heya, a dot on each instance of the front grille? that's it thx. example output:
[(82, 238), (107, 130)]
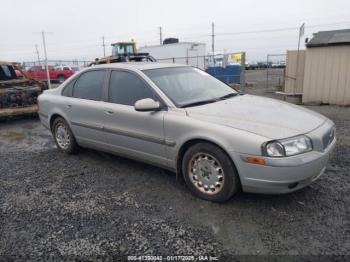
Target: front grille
[(328, 137)]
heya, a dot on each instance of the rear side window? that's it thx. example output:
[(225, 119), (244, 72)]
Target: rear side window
[(89, 85), (68, 89), (126, 88)]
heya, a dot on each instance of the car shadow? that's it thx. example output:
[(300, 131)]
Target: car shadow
[(169, 185)]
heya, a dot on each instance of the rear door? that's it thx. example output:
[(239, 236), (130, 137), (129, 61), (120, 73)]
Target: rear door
[(85, 107), (137, 134)]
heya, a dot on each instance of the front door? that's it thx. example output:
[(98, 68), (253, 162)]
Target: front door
[(137, 134)]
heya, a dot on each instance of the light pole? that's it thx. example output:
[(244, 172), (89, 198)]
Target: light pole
[(46, 65)]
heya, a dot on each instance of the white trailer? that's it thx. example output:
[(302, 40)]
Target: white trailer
[(181, 53)]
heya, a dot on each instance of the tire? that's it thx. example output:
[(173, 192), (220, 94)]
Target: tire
[(61, 78), (205, 164), (63, 136)]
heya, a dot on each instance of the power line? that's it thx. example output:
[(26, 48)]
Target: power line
[(266, 30), (336, 23), (260, 31), (85, 44)]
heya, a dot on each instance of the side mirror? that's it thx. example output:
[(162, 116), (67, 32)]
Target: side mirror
[(146, 105)]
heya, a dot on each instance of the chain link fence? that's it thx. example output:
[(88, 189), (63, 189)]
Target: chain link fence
[(75, 64), (275, 72), (228, 67), (58, 70)]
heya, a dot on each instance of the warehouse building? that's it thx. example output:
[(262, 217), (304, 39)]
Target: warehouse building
[(191, 53)]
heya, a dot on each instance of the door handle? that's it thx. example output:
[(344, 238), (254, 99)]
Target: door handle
[(109, 112), (69, 106)]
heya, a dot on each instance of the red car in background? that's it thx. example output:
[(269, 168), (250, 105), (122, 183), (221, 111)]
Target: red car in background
[(57, 73), (19, 74)]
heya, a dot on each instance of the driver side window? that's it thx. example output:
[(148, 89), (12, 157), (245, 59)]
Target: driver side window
[(126, 88)]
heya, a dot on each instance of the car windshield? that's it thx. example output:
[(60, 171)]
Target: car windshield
[(188, 86)]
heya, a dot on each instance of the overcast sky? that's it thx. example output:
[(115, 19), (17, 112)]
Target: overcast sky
[(76, 26)]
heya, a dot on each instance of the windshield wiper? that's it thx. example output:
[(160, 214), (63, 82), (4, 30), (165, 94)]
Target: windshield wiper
[(203, 102), (227, 96), (198, 103)]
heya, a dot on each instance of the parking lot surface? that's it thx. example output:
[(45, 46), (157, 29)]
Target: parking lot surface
[(94, 204)]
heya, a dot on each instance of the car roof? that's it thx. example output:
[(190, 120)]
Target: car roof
[(5, 63), (139, 65)]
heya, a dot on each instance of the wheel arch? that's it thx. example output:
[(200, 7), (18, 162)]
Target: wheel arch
[(187, 144), (55, 116)]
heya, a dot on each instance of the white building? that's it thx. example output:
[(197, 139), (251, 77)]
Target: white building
[(190, 53)]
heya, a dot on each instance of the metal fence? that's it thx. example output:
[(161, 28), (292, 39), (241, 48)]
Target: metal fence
[(228, 67), (37, 69), (78, 64), (275, 72)]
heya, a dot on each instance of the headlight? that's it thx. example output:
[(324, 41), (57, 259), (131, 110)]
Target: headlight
[(287, 147)]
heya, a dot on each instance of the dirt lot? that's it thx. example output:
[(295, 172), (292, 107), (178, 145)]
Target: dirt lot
[(98, 205)]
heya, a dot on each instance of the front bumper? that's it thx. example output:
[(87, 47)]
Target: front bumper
[(282, 175)]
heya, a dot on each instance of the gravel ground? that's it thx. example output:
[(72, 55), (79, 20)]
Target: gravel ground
[(96, 205)]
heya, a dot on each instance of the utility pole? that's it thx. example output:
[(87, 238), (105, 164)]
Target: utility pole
[(37, 53), (104, 46), (212, 37), (46, 65), (301, 33), (160, 36), (45, 54)]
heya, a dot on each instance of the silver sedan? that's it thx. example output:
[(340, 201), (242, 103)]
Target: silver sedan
[(182, 119)]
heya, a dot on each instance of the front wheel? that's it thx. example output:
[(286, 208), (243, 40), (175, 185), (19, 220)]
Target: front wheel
[(63, 136), (209, 172)]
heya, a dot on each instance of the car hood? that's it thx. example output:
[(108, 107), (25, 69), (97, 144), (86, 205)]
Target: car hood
[(263, 116)]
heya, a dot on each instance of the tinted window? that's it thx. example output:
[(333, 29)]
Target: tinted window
[(126, 88), (68, 89), (89, 85)]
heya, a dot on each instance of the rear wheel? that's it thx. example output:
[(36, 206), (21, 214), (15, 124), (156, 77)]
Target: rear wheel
[(209, 172), (63, 136)]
